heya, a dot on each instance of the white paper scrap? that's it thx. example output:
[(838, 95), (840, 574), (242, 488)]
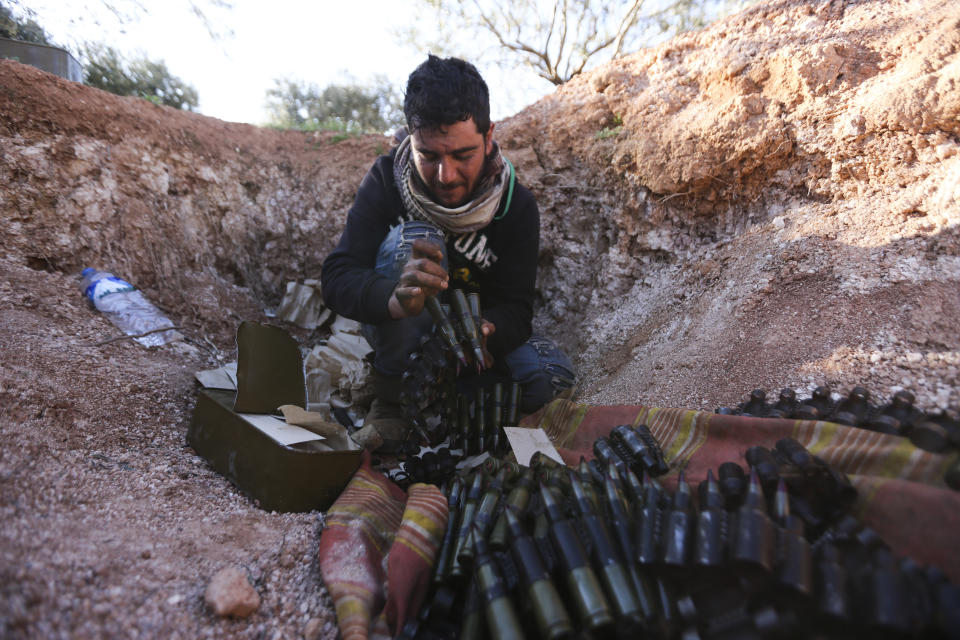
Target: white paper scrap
[(223, 378), (279, 430), (526, 442)]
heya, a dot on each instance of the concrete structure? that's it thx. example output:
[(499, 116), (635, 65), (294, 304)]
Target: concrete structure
[(51, 59)]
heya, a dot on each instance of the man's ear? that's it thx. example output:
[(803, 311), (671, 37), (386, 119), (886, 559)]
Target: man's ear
[(488, 141)]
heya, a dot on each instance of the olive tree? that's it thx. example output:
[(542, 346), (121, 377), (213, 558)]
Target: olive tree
[(348, 107), (106, 68)]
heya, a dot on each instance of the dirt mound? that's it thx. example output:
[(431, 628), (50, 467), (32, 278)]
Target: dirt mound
[(112, 526), (772, 201), (181, 204)]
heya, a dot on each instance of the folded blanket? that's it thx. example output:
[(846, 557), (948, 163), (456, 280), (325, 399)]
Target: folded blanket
[(376, 552)]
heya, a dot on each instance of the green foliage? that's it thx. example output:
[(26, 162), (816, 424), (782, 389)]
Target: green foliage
[(609, 132), (349, 108), (613, 130), (23, 28), (107, 69)]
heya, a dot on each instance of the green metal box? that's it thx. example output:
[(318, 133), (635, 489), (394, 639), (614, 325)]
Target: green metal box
[(279, 477)]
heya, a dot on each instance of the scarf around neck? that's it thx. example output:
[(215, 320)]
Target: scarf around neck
[(475, 214)]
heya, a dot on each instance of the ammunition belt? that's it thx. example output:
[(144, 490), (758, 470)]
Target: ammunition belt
[(771, 551), (440, 411), (935, 432)]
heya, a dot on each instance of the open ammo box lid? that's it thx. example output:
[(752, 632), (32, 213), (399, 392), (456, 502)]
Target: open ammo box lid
[(267, 459)]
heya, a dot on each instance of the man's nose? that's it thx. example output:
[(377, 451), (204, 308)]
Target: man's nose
[(447, 172)]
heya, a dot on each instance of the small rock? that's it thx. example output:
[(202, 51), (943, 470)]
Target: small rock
[(946, 150), (737, 65), (230, 594), (313, 630), (855, 126), (549, 179)]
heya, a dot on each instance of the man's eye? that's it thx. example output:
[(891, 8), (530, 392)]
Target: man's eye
[(463, 157)]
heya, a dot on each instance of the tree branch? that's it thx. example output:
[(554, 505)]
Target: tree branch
[(553, 24), (563, 40), (134, 337), (629, 20), (563, 44), (518, 46), (626, 23)]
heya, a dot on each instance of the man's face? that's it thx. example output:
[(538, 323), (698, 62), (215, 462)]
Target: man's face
[(450, 159)]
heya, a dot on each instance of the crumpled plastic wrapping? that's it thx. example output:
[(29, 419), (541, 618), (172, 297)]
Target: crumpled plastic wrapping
[(336, 372), (302, 305)]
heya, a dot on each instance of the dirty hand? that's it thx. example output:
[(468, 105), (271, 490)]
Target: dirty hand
[(422, 276), (487, 329)]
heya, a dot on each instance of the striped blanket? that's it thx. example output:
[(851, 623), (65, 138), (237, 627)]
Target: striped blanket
[(376, 552)]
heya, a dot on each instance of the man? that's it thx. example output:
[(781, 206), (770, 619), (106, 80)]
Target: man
[(443, 210)]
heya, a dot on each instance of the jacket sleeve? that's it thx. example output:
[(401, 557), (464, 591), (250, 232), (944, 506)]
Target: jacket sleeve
[(349, 284), (509, 289)]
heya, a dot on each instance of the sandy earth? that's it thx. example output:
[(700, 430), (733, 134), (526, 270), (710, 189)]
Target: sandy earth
[(773, 201)]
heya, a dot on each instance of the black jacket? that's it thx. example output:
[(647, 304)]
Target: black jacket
[(498, 261)]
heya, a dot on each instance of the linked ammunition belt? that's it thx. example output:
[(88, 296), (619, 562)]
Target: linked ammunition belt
[(599, 551), (438, 409), (935, 432)]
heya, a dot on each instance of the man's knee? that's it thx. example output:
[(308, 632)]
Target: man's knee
[(543, 371), (397, 247)]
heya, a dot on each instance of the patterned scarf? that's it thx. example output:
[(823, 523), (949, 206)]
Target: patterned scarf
[(475, 214)]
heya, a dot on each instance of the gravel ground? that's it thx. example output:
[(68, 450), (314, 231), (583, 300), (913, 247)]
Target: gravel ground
[(112, 525)]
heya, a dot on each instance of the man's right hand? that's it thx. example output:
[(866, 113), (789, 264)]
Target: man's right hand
[(422, 276)]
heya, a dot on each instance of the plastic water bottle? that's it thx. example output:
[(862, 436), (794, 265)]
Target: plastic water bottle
[(127, 308)]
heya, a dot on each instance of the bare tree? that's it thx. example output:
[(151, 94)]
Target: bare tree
[(559, 38)]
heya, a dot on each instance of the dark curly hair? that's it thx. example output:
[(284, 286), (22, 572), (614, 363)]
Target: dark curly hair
[(441, 92)]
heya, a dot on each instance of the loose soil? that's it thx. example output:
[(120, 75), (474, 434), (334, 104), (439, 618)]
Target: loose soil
[(773, 201)]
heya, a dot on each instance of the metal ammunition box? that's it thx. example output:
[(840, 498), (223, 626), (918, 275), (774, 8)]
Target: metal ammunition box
[(294, 477), (278, 477)]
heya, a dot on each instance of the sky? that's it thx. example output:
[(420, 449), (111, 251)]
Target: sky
[(319, 42)]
